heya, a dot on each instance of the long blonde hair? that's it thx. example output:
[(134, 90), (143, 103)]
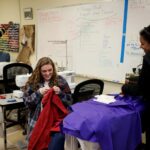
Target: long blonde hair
[(36, 76)]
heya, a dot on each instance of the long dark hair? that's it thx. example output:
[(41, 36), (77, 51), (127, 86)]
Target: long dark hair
[(36, 76), (145, 33)]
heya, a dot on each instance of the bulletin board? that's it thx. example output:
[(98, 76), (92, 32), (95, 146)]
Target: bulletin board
[(10, 40), (102, 38)]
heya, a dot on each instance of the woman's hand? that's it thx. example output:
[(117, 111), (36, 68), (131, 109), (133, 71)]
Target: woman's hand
[(44, 90), (56, 89)]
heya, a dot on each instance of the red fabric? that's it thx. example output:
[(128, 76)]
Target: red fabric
[(49, 120)]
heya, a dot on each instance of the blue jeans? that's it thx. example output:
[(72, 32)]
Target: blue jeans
[(57, 141)]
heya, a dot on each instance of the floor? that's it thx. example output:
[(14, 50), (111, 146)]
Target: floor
[(15, 139)]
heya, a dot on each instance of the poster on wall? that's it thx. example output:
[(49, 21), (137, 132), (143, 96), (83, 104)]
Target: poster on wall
[(10, 40), (27, 39)]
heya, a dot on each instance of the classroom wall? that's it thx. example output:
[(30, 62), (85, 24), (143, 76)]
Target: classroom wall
[(9, 11), (13, 10)]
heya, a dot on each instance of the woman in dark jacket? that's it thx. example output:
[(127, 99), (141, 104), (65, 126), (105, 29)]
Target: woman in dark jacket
[(143, 86)]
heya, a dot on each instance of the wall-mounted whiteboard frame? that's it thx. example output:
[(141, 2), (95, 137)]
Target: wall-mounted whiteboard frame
[(94, 34)]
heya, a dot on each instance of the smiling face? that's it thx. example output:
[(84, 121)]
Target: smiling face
[(145, 45), (47, 72)]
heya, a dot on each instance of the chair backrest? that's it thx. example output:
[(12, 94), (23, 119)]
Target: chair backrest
[(88, 89), (4, 57), (9, 74)]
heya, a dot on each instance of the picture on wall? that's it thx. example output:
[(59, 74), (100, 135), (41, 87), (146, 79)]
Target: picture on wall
[(28, 14), (10, 40), (27, 39)]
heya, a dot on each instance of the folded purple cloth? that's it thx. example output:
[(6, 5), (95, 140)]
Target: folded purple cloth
[(114, 126)]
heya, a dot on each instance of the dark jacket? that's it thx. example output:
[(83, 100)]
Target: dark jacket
[(143, 86)]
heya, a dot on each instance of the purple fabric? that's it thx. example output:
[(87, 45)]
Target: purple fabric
[(114, 126)]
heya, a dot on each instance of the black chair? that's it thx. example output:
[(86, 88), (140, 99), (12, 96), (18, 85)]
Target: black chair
[(9, 74), (87, 89), (4, 57)]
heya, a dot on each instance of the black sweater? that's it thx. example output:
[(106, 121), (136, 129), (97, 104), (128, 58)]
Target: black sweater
[(143, 86)]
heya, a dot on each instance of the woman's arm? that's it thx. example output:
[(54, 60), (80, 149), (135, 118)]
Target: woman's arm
[(65, 93), (130, 89), (32, 98)]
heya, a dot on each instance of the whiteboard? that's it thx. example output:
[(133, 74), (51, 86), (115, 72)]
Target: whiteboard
[(96, 43)]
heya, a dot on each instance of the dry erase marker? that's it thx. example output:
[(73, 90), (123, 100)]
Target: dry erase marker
[(11, 100)]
